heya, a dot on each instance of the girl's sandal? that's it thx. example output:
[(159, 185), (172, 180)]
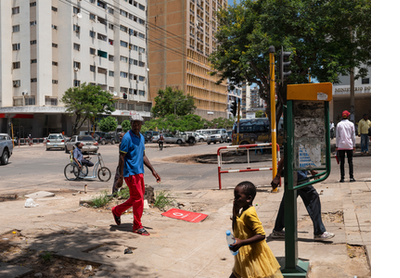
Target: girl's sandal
[(141, 231)]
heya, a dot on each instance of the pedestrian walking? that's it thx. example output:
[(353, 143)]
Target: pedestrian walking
[(364, 126), (132, 156), (255, 258), (115, 187), (332, 129), (345, 144), (311, 201)]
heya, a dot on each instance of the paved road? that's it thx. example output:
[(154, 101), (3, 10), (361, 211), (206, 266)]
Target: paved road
[(33, 168)]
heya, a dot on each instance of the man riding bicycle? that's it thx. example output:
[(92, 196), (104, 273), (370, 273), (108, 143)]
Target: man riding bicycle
[(161, 141), (78, 156)]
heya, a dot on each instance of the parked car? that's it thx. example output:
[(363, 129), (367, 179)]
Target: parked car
[(218, 135), (202, 137), (148, 135), (108, 138), (55, 141), (188, 137), (89, 144), (6, 148)]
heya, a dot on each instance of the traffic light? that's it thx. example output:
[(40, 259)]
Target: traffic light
[(284, 64), (233, 107), (125, 96)]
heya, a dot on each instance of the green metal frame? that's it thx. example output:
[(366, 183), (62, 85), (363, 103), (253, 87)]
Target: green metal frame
[(293, 266)]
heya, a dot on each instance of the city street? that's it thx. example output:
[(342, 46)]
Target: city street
[(59, 225), (34, 168)]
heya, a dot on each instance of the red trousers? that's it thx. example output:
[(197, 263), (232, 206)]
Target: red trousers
[(136, 200)]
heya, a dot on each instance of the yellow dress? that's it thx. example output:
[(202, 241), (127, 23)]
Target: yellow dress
[(254, 260)]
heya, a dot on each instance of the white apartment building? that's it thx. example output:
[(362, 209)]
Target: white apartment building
[(48, 46)]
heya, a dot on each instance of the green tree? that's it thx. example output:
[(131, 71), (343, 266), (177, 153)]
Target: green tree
[(260, 114), (108, 124), (222, 123), (328, 37), (173, 123), (171, 101), (126, 125), (86, 102)]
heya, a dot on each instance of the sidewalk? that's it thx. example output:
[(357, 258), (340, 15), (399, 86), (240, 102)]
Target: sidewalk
[(181, 249)]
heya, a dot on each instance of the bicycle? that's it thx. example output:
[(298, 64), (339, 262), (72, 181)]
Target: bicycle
[(73, 172)]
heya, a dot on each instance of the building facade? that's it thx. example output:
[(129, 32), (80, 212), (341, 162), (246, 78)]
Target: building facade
[(48, 46), (181, 38), (341, 98)]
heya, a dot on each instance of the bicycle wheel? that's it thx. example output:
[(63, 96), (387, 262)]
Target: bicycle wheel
[(84, 171), (104, 174), (71, 172)]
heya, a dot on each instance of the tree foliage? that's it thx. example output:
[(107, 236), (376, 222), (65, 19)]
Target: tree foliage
[(173, 123), (170, 101), (86, 102), (324, 36), (108, 124), (126, 125)]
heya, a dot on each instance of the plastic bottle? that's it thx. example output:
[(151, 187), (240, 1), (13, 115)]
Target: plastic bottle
[(230, 239)]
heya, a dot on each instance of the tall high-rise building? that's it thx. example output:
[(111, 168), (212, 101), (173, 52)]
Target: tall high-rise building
[(48, 46), (180, 40)]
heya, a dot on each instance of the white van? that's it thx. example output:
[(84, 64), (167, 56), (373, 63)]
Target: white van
[(216, 135)]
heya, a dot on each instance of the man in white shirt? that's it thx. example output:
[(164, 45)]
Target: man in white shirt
[(345, 144)]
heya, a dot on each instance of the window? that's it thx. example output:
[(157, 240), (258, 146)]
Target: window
[(54, 63), (123, 13), (77, 65), (33, 42), (111, 58), (102, 20), (15, 10), (124, 74), (16, 83), (102, 53), (92, 51), (33, 80), (141, 35), (16, 65), (110, 41), (101, 4), (33, 61), (32, 4), (124, 44), (15, 28), (77, 83), (124, 59), (110, 10), (92, 68), (54, 81), (54, 9), (33, 23), (110, 73), (141, 93), (76, 28), (141, 78), (110, 26), (101, 37), (365, 81), (142, 50), (141, 7), (54, 45), (123, 29), (92, 17), (77, 46), (16, 46), (92, 34), (54, 26)]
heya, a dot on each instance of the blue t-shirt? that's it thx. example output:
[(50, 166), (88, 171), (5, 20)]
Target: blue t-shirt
[(133, 146), (78, 154)]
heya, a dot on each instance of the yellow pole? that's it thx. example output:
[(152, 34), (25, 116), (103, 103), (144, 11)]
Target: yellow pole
[(238, 121), (12, 133), (273, 121)]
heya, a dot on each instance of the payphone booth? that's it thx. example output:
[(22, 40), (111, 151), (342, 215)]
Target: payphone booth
[(307, 147)]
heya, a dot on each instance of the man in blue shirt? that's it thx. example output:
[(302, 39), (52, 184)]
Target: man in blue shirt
[(78, 156), (132, 156)]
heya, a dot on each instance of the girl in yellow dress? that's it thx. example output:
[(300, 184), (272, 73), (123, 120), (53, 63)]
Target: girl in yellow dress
[(255, 258)]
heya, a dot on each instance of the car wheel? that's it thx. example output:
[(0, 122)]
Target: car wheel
[(179, 141), (103, 142), (201, 140), (112, 142), (192, 141), (208, 143), (4, 157)]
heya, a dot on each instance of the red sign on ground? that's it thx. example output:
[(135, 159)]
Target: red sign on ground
[(189, 216)]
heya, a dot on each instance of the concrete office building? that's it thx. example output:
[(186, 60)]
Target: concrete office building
[(181, 38), (48, 46)]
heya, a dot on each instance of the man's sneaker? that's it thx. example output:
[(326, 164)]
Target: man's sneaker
[(277, 234), (352, 180), (324, 236)]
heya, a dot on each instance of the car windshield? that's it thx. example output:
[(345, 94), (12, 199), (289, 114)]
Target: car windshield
[(85, 138)]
